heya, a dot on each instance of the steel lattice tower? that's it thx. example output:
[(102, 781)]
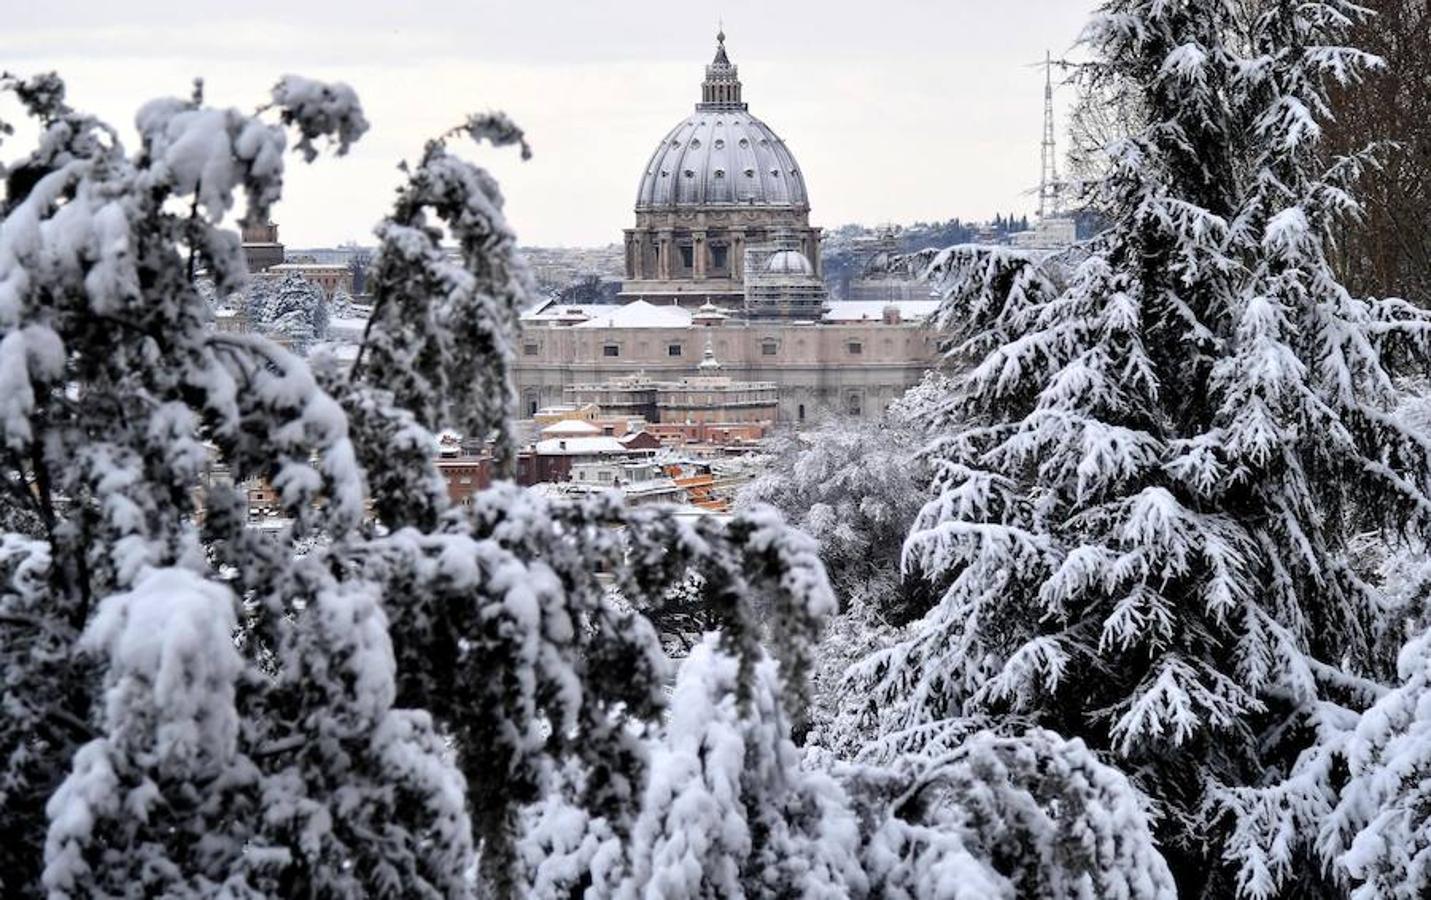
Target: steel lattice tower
[(1050, 188)]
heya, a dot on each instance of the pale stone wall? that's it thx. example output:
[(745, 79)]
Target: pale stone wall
[(655, 263), (816, 368)]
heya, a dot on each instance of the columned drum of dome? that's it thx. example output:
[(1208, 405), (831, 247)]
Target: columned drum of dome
[(719, 182)]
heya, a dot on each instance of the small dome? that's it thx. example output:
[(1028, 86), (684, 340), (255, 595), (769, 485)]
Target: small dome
[(709, 312), (789, 262)]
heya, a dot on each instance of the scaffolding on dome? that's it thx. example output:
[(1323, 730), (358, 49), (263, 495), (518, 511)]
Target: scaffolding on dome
[(781, 282)]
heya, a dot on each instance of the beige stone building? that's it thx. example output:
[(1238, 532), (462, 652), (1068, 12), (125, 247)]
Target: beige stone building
[(723, 250), (708, 397), (856, 361), (329, 277), (261, 248)]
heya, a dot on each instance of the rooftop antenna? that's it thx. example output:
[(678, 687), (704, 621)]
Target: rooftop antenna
[(1050, 188)]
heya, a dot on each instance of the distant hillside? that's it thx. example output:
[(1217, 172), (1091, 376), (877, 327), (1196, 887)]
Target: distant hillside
[(845, 249)]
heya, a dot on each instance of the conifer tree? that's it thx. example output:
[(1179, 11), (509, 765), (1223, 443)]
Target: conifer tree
[(1159, 449), (297, 312), (145, 750)]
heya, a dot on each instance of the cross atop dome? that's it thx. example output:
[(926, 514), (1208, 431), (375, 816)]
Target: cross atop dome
[(721, 89)]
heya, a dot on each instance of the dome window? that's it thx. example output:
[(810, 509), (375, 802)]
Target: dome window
[(719, 144), (720, 173), (665, 174), (695, 144), (749, 173), (675, 143), (775, 172), (744, 142)]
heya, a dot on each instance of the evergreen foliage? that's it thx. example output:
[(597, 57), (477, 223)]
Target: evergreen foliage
[(1158, 453)]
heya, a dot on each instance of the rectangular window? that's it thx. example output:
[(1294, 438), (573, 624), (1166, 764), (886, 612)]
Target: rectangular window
[(718, 257), (856, 348), (610, 350), (673, 350), (688, 256), (769, 348), (530, 349)]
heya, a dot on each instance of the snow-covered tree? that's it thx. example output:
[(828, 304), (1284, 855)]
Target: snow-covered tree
[(167, 758), (854, 489), (342, 305), (1153, 465), (297, 312), (255, 301)]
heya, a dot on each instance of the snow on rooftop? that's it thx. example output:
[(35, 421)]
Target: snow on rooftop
[(643, 314), (552, 311), (570, 428), (873, 310), (581, 446), (346, 327), (639, 314)]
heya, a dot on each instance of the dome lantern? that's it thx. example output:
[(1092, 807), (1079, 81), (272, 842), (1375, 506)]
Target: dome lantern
[(721, 89)]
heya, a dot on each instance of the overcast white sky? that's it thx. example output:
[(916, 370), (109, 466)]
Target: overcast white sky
[(897, 110)]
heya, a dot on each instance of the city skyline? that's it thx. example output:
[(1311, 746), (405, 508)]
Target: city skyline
[(918, 114)]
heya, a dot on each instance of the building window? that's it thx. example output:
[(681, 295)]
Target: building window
[(530, 349), (688, 256), (719, 257), (610, 350), (800, 412), (769, 347), (673, 350), (854, 405), (856, 348)]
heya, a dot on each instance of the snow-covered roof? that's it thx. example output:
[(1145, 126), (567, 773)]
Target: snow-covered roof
[(643, 314), (873, 310), (581, 446), (570, 428), (552, 311), (639, 314), (346, 327)]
